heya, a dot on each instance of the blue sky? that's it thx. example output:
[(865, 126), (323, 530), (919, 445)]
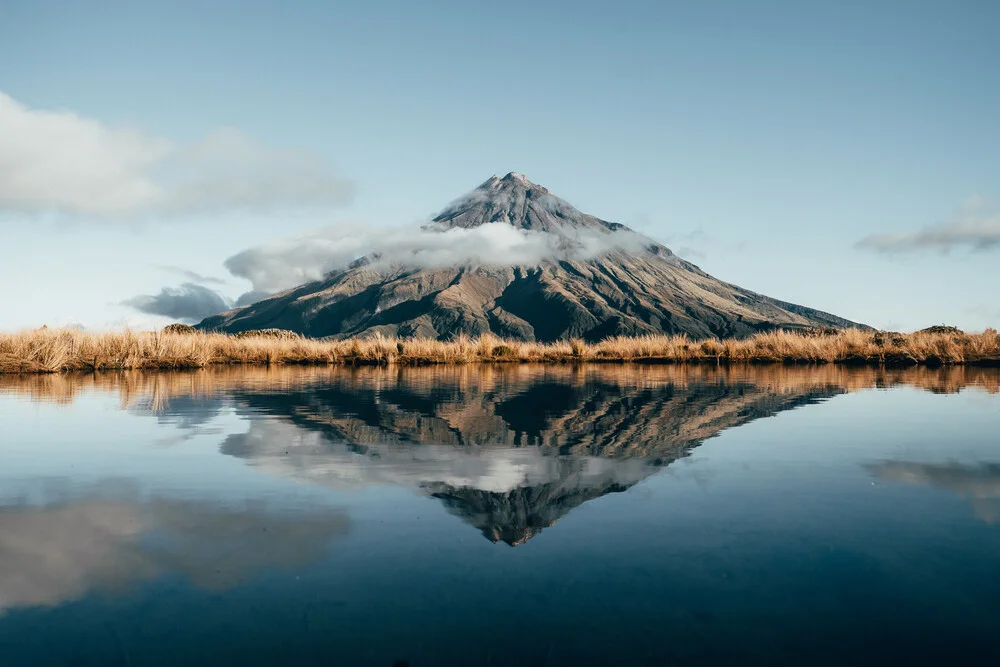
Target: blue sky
[(842, 155)]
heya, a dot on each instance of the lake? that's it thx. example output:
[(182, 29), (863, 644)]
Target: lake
[(501, 515)]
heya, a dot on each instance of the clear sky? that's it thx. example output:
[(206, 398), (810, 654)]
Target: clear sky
[(842, 155)]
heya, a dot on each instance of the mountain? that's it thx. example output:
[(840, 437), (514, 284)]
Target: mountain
[(598, 279)]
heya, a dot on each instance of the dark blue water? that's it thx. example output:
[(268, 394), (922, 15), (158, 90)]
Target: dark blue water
[(501, 516)]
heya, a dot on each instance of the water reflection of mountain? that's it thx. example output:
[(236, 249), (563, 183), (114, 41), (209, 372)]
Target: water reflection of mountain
[(509, 448), (517, 515), (510, 453)]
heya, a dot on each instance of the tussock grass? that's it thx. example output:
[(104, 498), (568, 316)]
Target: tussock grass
[(53, 351)]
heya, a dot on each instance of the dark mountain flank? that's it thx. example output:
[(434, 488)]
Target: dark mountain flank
[(599, 279)]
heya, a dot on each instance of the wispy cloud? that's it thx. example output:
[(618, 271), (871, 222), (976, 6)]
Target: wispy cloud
[(191, 276), (976, 226), (62, 162), (699, 244), (284, 264), (188, 303), (689, 245)]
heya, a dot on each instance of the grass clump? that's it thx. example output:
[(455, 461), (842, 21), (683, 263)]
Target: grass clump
[(52, 350)]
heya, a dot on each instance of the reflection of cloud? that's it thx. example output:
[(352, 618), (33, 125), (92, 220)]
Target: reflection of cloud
[(49, 555), (980, 483), (290, 451), (509, 494), (189, 414), (185, 412)]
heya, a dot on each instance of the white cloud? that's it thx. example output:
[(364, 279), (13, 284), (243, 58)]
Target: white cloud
[(976, 226), (59, 161), (291, 262)]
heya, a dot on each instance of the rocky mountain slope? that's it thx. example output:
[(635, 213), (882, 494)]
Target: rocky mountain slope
[(598, 279)]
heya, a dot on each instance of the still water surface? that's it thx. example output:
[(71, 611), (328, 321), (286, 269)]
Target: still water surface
[(528, 515)]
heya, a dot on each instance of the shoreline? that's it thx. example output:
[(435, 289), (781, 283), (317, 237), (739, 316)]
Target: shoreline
[(54, 351)]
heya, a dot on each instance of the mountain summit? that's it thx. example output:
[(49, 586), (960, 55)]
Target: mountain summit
[(516, 201), (599, 279)]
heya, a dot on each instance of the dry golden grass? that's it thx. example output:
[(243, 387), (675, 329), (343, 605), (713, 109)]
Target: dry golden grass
[(52, 351)]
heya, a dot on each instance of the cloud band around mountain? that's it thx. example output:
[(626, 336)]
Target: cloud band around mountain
[(290, 262)]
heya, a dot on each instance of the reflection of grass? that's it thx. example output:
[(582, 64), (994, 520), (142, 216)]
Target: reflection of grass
[(158, 389), (48, 350)]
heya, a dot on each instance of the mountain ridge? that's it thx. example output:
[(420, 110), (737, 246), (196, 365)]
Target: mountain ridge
[(599, 279)]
